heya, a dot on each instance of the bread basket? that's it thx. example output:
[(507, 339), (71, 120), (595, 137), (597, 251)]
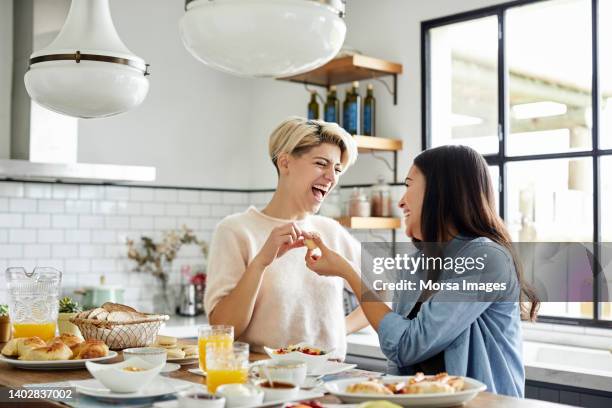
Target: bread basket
[(140, 332)]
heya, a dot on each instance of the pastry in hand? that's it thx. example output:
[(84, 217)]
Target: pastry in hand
[(91, 348), (368, 387), (21, 345), (57, 350), (310, 244)]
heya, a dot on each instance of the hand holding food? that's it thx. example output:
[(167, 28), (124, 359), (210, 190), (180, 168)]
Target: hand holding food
[(329, 262), (282, 239)]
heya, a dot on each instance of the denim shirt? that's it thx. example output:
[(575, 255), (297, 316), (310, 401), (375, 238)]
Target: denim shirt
[(479, 339)]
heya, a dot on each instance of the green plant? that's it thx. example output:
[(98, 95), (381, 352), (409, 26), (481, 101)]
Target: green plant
[(3, 310), (67, 305)]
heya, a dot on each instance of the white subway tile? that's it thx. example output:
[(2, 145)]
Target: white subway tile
[(28, 264), (141, 194), (3, 238), (11, 220), (209, 223), (37, 251), (129, 208), (91, 192), (595, 331), (22, 205), (189, 196), (91, 221), (50, 206), (22, 236), (115, 251), (153, 209), (105, 266), (37, 190), (77, 265), (70, 281), (165, 194), (104, 207), (11, 251), (79, 236), (117, 222), (199, 210), (11, 189), (104, 237), (221, 210), (52, 263), (50, 236), (235, 198), (177, 209), (65, 250), (190, 222), (63, 191), (210, 197), (78, 207), (163, 223), (4, 204), (141, 222), (117, 193), (91, 251), (64, 221), (37, 220)]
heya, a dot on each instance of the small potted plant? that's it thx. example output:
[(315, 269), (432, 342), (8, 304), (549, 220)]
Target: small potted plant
[(68, 309), (5, 324)]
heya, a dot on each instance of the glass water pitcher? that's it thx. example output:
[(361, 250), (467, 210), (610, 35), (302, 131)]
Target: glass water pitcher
[(33, 301)]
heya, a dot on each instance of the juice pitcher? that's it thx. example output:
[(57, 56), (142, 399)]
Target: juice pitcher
[(33, 301)]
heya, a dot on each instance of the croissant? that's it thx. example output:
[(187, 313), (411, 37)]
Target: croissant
[(68, 339), (368, 387), (22, 345), (91, 348), (55, 351)]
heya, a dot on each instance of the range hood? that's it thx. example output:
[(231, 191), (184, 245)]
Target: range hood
[(42, 145)]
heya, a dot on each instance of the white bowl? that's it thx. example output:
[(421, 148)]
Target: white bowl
[(116, 379), (190, 399), (279, 394), (234, 397), (314, 363), (154, 355), (291, 371)]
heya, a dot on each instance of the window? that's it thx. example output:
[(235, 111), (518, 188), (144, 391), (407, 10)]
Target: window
[(517, 82)]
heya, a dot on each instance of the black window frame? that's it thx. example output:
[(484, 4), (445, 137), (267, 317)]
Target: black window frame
[(500, 159)]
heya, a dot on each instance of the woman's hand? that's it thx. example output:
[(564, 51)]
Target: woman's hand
[(329, 262), (282, 239)]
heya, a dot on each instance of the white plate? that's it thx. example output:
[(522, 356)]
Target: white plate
[(184, 360), (302, 395), (55, 364), (156, 388), (170, 367), (197, 371), (332, 367), (471, 389)]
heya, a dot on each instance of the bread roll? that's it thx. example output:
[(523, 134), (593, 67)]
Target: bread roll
[(68, 339), (57, 350), (97, 311), (91, 348), (117, 307), (428, 387), (368, 387), (119, 316)]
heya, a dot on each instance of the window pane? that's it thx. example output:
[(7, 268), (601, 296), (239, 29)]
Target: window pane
[(605, 73), (463, 84), (550, 200), (549, 62), (494, 172), (605, 308)]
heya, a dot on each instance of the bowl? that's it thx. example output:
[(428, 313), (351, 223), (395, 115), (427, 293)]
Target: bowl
[(154, 355), (291, 371), (314, 364), (240, 395), (118, 378), (190, 399), (278, 391)]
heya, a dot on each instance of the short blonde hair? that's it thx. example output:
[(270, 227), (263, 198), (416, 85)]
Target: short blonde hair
[(297, 135)]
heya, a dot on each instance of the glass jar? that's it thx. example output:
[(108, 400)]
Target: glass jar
[(380, 199), (359, 206)]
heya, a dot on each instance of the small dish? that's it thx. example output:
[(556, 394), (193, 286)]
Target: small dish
[(240, 395), (190, 399), (276, 390), (170, 367), (291, 371), (154, 355), (127, 376), (313, 362)]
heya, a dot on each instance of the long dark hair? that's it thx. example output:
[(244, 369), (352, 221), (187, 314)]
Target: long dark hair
[(459, 192)]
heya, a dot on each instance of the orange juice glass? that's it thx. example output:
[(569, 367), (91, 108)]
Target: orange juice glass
[(45, 331), (226, 365), (218, 334)]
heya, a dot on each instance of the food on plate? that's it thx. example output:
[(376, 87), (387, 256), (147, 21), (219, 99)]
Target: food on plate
[(441, 383), (21, 345), (91, 348), (310, 244), (174, 349), (68, 339), (57, 350), (312, 351), (133, 369), (305, 404), (190, 351), (175, 353), (166, 340), (378, 404), (368, 387)]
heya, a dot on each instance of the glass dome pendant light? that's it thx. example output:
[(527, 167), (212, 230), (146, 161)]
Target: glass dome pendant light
[(87, 71), (263, 38)]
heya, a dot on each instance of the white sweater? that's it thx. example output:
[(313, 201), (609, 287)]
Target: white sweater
[(294, 304)]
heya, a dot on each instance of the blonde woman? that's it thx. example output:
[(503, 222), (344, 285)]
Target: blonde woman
[(257, 279)]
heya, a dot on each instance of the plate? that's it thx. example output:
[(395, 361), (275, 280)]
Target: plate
[(332, 367), (472, 388), (302, 395), (170, 367), (55, 364), (158, 387), (197, 371), (184, 360)]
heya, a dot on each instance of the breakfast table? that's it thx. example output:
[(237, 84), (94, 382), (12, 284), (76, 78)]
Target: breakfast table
[(11, 377)]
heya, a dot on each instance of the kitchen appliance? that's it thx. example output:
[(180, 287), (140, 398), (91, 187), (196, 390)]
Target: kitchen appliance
[(95, 296), (187, 300)]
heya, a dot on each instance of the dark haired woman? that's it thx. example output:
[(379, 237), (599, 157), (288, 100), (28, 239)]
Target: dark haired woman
[(449, 201)]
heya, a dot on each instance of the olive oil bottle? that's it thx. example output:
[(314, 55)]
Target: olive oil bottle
[(369, 113), (331, 108), (352, 110), (313, 106)]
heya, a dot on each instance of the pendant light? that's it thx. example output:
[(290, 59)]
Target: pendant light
[(263, 38), (87, 71)]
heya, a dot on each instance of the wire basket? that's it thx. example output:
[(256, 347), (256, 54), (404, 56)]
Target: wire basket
[(121, 335)]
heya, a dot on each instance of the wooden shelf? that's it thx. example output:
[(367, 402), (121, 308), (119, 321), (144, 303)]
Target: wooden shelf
[(347, 69), (369, 222), (369, 143)]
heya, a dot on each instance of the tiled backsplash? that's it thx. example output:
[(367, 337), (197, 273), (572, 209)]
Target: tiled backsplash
[(82, 229)]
